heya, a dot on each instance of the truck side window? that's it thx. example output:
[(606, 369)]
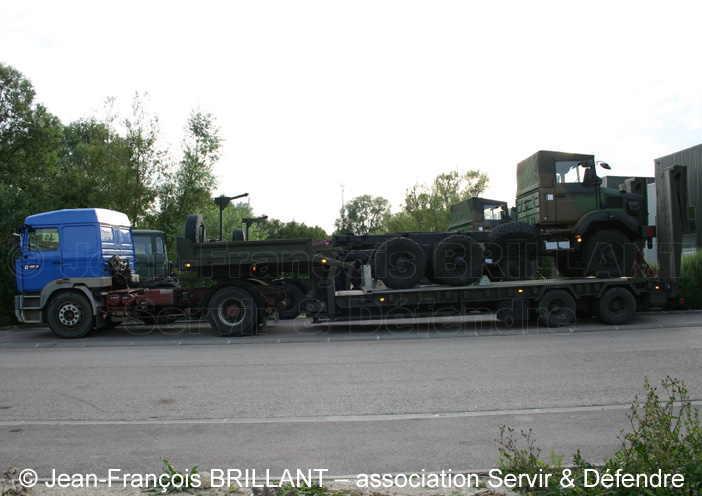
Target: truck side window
[(43, 239), (159, 245), (567, 172), (142, 245)]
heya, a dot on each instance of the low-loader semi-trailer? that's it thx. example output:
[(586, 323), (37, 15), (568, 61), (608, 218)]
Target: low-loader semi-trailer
[(74, 272)]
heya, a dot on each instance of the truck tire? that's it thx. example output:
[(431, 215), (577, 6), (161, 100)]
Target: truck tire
[(458, 261), (231, 311), (616, 307), (70, 315), (238, 235), (195, 229), (608, 253), (516, 239), (399, 262), (294, 299), (556, 308)]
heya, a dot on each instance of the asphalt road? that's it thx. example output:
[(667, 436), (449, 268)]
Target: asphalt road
[(371, 398)]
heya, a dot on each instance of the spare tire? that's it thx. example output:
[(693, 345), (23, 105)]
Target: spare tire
[(195, 229), (458, 261), (238, 235), (399, 262), (515, 239)]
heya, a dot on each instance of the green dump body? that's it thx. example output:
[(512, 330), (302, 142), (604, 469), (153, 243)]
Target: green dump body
[(246, 259)]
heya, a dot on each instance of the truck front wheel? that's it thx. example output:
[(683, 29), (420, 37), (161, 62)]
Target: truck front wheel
[(70, 315), (608, 253), (232, 311)]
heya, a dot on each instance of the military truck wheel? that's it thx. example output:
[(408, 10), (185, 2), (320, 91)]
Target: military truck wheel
[(70, 315), (458, 261), (399, 262), (608, 253), (232, 311), (616, 307), (195, 229), (556, 308)]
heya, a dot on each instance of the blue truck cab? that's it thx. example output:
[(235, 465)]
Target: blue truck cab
[(67, 259)]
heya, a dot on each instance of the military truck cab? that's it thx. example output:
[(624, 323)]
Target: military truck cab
[(591, 230), (66, 258), (152, 262)]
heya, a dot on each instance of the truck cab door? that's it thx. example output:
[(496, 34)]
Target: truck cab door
[(572, 196), (40, 261)]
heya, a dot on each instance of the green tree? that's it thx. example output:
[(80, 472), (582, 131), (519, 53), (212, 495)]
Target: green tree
[(29, 139), (93, 159), (426, 208), (145, 166), (277, 229), (364, 214), (187, 189)]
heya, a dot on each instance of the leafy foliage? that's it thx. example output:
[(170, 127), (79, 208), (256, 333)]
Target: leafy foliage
[(691, 274), (665, 436), (426, 208), (364, 214)]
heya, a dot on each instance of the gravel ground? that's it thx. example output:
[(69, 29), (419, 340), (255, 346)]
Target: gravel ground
[(348, 488)]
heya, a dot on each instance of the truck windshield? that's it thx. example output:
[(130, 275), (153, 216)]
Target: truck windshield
[(492, 212), (567, 172)]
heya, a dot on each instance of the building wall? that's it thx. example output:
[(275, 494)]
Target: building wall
[(692, 158)]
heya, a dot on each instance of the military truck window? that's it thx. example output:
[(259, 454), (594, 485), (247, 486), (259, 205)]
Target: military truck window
[(492, 212), (43, 239), (142, 245), (159, 245), (568, 172)]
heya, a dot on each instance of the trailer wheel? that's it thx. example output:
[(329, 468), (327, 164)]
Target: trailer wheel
[(70, 315), (556, 308), (195, 229), (458, 261), (616, 307), (608, 253), (399, 262), (232, 311)]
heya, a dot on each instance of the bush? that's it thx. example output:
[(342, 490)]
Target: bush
[(691, 275), (665, 436)]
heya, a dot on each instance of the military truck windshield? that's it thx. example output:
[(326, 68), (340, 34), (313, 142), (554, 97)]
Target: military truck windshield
[(142, 245), (567, 172), (492, 212)]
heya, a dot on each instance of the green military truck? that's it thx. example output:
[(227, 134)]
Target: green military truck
[(563, 211), (152, 264)]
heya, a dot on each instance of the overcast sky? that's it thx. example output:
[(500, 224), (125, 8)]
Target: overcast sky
[(376, 95)]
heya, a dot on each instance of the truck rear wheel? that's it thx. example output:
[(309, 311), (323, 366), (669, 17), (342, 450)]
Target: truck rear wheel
[(232, 311), (70, 315), (616, 307), (399, 262), (458, 261), (608, 253), (556, 308), (294, 300)]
